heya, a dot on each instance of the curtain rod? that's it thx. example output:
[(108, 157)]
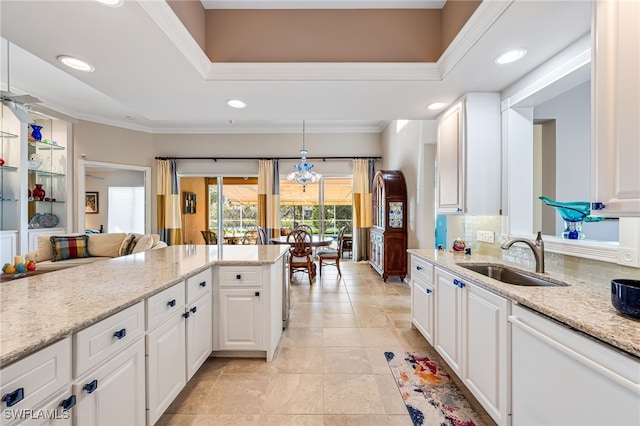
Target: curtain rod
[(267, 158)]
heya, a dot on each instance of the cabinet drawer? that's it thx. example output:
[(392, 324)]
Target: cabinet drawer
[(162, 305), (29, 382), (101, 341), (245, 276), (421, 269), (198, 285)]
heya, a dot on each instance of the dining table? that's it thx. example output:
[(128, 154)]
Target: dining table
[(316, 240)]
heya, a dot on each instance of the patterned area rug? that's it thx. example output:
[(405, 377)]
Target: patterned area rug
[(430, 395)]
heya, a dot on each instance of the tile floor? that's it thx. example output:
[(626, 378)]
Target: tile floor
[(330, 367)]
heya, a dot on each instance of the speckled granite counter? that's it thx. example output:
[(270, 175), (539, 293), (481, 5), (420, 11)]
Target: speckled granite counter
[(582, 305), (40, 310)]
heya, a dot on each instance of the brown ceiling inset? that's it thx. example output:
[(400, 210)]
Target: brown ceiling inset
[(362, 35), (454, 15)]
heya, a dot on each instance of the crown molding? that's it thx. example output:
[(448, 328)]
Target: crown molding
[(482, 19), (323, 4)]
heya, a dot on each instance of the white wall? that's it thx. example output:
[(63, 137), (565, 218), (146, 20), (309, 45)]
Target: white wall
[(411, 149)]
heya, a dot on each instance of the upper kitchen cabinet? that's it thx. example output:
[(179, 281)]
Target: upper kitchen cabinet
[(616, 108), (468, 157)]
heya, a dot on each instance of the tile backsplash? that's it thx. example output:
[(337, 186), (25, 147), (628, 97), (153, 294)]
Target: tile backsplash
[(576, 267)]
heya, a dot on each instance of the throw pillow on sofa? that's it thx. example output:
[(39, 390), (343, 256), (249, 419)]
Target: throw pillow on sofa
[(106, 245), (69, 247), (144, 243)]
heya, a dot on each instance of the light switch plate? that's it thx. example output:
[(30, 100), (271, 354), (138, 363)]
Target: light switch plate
[(486, 236)]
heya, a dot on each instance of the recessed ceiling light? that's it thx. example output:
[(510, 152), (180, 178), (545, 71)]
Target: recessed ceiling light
[(435, 106), (236, 103), (510, 56), (75, 63), (112, 3)]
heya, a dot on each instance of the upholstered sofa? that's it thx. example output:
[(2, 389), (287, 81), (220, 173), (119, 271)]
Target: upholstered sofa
[(97, 247)]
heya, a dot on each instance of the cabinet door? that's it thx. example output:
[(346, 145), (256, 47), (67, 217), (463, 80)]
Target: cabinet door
[(577, 380), (199, 334), (51, 413), (448, 301), (450, 161), (616, 65), (485, 350), (422, 308), (113, 394), (166, 375), (240, 319)]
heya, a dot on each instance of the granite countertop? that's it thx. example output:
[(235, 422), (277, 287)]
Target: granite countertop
[(40, 310), (584, 306)]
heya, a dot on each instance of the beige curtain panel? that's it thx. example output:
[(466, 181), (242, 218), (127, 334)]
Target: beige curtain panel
[(269, 197), (361, 208), (169, 213)]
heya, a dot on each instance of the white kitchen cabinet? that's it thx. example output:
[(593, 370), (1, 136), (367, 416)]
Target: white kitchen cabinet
[(247, 309), (113, 393), (448, 323), (615, 69), (8, 246), (199, 333), (471, 336), (422, 297), (468, 156), (561, 377), (240, 319), (32, 383), (178, 339), (165, 364), (485, 349), (52, 413)]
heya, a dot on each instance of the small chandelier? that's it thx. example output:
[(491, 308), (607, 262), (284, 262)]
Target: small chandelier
[(303, 172)]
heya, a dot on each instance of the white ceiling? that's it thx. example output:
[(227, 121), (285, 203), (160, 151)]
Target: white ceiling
[(150, 75)]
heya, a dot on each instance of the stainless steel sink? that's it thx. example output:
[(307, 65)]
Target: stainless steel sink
[(508, 275)]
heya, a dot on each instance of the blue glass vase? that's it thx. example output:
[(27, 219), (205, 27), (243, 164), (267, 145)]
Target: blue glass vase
[(574, 213), (35, 134)]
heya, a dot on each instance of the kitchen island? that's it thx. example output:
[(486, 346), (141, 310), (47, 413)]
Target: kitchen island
[(39, 310)]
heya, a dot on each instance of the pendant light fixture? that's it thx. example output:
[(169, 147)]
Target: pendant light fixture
[(303, 172)]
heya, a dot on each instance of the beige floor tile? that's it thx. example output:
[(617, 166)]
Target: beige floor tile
[(367, 420), (315, 307), (399, 320), (294, 394), (367, 299), (237, 394), (352, 394), (337, 308), (336, 360), (412, 340), (226, 420), (335, 298), (378, 361), (291, 420), (339, 320), (380, 337), (171, 419), (342, 337), (300, 336), (372, 320), (192, 397), (392, 400), (299, 360), (305, 319), (249, 365)]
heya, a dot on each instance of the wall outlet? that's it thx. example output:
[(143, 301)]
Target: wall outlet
[(486, 237)]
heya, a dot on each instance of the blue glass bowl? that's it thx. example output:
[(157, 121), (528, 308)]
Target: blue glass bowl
[(625, 297)]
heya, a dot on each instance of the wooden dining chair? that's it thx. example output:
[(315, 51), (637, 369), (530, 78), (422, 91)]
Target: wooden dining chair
[(262, 236), (250, 237), (210, 237), (307, 228), (300, 254), (332, 257)]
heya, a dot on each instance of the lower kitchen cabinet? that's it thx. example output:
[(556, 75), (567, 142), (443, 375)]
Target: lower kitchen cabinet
[(560, 377), (114, 393), (471, 336), (247, 309), (422, 297), (179, 335), (240, 319)]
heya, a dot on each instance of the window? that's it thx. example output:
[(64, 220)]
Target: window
[(126, 209)]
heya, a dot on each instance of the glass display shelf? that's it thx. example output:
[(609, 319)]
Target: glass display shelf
[(45, 174), (56, 201), (9, 199), (7, 135), (8, 168), (45, 146)]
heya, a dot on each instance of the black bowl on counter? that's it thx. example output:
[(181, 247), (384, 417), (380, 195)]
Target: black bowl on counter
[(625, 297)]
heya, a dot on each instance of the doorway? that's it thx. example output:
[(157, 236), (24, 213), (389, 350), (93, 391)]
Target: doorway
[(97, 181)]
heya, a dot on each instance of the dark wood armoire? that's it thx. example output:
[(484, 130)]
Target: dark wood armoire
[(388, 240)]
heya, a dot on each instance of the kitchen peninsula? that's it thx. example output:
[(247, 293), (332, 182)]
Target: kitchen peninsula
[(111, 323)]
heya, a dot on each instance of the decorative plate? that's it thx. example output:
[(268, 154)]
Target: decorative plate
[(48, 220)]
